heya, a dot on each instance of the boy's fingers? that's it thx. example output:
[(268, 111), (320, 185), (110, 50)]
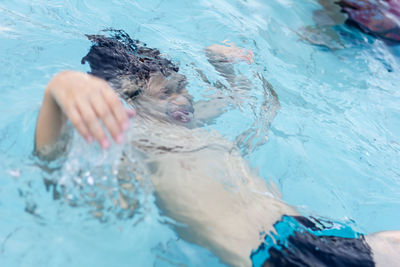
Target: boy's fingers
[(130, 112), (77, 121), (103, 112), (92, 123), (116, 108)]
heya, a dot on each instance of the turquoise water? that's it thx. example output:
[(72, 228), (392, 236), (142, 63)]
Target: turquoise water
[(333, 148)]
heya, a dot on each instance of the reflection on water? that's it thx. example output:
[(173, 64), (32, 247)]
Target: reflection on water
[(332, 138)]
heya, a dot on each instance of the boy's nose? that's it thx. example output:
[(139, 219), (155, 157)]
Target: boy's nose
[(180, 101)]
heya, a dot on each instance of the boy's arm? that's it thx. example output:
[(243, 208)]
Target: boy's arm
[(84, 100), (222, 58)]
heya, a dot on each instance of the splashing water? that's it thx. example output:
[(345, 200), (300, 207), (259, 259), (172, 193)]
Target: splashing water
[(112, 182), (332, 148)]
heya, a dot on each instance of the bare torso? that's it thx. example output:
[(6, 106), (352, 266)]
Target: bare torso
[(203, 183)]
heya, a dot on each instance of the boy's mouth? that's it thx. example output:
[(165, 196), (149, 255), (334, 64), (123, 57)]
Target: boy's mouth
[(181, 113)]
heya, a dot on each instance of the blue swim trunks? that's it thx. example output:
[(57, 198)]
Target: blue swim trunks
[(301, 241)]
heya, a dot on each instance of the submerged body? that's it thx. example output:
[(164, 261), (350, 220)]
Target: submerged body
[(203, 184), (200, 179)]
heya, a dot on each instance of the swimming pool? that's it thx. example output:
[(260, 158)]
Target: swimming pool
[(332, 149)]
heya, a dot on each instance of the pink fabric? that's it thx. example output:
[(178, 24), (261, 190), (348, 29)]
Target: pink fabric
[(379, 17)]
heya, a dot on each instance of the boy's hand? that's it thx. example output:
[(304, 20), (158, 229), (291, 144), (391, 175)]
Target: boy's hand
[(231, 52), (86, 101)]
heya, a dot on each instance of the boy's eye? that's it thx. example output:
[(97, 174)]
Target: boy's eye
[(165, 92), (134, 93), (163, 95)]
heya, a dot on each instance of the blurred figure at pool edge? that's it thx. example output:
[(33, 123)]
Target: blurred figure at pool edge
[(377, 18), (224, 214)]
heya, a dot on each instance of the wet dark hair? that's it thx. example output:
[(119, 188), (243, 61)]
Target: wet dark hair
[(116, 57)]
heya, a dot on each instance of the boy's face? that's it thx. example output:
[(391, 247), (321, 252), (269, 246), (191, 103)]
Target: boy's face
[(170, 96)]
